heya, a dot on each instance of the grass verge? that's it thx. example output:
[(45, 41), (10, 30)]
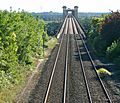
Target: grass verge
[(10, 91), (22, 74), (51, 43)]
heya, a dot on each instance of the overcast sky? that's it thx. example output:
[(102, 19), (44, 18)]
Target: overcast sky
[(56, 5)]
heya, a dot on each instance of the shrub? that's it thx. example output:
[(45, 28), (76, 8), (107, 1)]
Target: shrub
[(110, 28), (113, 51)]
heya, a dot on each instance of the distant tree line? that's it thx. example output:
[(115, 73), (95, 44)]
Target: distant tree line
[(49, 16), (54, 16)]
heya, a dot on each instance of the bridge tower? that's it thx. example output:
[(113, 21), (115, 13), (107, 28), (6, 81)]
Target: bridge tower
[(64, 11), (74, 11)]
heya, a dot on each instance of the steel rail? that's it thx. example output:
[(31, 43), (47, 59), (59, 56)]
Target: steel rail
[(66, 70), (95, 69), (62, 28), (79, 28), (82, 67), (66, 27)]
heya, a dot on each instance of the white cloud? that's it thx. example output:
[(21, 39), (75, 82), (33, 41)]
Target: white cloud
[(56, 5)]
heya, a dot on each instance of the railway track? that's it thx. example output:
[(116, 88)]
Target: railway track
[(55, 89), (71, 75), (96, 91)]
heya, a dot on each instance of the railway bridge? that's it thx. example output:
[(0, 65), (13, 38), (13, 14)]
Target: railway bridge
[(70, 74)]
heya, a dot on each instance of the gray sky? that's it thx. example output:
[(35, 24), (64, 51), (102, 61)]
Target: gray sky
[(56, 5)]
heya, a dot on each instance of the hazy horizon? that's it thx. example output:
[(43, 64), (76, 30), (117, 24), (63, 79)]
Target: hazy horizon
[(40, 6), (61, 12)]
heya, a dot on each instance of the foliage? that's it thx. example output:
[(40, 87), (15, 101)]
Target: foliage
[(110, 28), (113, 51), (105, 34), (86, 23), (51, 43), (94, 34), (53, 28), (20, 37), (20, 41), (49, 16), (12, 81)]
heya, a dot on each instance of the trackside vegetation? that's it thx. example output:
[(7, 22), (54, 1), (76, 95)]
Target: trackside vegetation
[(20, 43), (105, 35)]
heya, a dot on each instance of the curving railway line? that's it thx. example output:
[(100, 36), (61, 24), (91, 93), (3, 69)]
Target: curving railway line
[(71, 75)]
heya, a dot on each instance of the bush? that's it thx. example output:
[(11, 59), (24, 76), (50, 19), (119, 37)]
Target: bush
[(20, 40), (110, 28), (113, 51), (105, 35), (98, 44)]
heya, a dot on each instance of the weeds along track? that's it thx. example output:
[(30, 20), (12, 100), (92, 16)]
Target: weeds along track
[(96, 91)]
